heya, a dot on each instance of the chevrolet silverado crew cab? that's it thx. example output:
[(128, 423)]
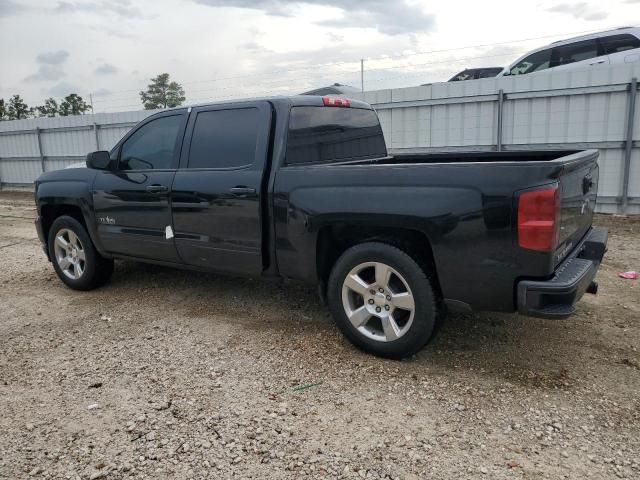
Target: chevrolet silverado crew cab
[(303, 188)]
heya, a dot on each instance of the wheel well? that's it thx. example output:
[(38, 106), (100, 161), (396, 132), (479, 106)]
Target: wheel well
[(334, 240), (51, 212)]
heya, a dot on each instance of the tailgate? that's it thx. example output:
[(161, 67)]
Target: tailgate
[(578, 190)]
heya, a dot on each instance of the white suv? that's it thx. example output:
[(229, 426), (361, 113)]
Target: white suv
[(618, 46)]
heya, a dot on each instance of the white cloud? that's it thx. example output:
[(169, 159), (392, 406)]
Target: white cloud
[(53, 58), (217, 50), (579, 10), (9, 7), (389, 17), (106, 69)]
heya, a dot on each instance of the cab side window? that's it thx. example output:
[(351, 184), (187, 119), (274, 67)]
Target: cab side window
[(152, 146), (574, 52), (533, 63), (224, 138)]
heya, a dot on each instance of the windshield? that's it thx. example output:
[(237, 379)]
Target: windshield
[(532, 63)]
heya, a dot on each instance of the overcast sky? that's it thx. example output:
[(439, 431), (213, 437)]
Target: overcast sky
[(222, 48)]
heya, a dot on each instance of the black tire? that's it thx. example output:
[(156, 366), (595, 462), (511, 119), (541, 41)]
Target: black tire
[(426, 305), (97, 269)]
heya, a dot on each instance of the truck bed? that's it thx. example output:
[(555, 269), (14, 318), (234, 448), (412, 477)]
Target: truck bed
[(481, 157), (465, 203)]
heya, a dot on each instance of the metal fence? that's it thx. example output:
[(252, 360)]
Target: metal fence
[(30, 147), (579, 109)]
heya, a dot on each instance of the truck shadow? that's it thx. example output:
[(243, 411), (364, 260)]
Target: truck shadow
[(509, 347)]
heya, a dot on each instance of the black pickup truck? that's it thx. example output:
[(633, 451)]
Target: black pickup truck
[(303, 188)]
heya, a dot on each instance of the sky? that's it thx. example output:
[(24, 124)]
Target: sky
[(220, 49)]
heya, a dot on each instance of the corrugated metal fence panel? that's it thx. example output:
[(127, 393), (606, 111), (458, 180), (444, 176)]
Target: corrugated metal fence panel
[(72, 142), (634, 174), (564, 109), (19, 171), (76, 120), (59, 163), (566, 119), (109, 136), (610, 162), (23, 144), (64, 141)]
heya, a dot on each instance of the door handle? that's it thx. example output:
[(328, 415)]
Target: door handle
[(597, 63), (157, 189), (242, 190)]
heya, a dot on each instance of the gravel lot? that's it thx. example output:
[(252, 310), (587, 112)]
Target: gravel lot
[(171, 374)]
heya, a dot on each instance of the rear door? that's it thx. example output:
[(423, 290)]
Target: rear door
[(624, 48), (581, 54), (216, 192), (132, 203)]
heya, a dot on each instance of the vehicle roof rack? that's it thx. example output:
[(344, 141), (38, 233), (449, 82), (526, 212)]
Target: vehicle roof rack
[(586, 34)]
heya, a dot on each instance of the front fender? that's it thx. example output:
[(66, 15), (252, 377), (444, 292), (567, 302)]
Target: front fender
[(70, 192)]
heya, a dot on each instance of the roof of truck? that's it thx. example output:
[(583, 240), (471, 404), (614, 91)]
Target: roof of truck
[(293, 100)]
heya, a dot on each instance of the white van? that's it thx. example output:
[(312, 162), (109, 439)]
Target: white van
[(618, 46)]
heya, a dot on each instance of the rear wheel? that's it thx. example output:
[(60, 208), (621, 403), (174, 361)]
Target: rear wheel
[(382, 300), (74, 257)]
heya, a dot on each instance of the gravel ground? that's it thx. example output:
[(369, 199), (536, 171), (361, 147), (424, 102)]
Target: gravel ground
[(171, 374)]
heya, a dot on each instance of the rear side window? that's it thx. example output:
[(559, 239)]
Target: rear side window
[(533, 63), (224, 138), (152, 146), (619, 43), (574, 52), (488, 72), (332, 134)]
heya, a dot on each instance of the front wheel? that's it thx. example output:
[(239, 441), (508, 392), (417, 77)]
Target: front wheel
[(382, 300), (74, 257)]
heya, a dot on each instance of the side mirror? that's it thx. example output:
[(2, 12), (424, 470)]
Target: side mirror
[(99, 160)]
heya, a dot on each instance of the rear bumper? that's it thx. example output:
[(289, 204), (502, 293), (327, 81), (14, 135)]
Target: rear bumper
[(556, 298)]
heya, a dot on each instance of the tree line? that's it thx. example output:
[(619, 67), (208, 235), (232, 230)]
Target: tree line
[(160, 93), (17, 109)]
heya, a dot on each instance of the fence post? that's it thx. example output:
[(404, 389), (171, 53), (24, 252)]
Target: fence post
[(40, 154), (631, 113), (95, 132), (500, 114)]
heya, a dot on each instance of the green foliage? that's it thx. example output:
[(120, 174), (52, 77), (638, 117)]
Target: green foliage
[(73, 104), (161, 93), (49, 109), (17, 109)]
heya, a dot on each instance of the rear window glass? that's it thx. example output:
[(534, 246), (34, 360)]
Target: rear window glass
[(330, 134), (619, 43)]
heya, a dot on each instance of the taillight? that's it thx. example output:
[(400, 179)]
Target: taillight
[(335, 102), (539, 219)]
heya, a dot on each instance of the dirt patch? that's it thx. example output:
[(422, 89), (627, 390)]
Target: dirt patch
[(171, 374)]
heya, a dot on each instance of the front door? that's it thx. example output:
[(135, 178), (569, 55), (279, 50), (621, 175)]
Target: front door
[(216, 192), (132, 202)]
